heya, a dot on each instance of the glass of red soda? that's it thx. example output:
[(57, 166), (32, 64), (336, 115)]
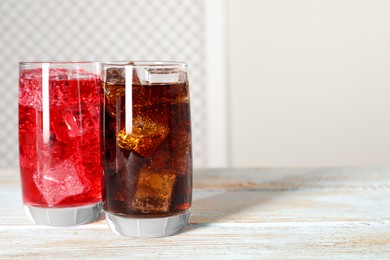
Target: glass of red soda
[(59, 142), (146, 145)]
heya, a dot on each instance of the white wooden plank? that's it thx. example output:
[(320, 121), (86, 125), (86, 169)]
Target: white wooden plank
[(290, 178), (259, 206), (336, 241)]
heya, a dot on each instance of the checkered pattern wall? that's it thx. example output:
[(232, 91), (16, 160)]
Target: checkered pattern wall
[(59, 30)]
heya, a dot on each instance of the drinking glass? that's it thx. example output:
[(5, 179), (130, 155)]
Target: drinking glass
[(59, 141), (146, 144)]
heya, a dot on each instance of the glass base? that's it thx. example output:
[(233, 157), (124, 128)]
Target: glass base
[(147, 227), (64, 217)]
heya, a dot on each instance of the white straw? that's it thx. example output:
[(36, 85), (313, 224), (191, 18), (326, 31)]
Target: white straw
[(129, 98), (45, 103)]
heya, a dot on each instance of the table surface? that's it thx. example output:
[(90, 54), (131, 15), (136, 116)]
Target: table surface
[(329, 213)]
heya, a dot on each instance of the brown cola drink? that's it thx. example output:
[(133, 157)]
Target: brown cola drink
[(147, 146)]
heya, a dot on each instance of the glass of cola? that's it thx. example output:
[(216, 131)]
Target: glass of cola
[(146, 147)]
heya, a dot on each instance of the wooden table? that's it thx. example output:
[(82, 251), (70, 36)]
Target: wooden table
[(236, 214)]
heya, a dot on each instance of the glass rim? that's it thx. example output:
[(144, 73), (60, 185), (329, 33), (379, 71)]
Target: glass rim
[(146, 63), (57, 62), (139, 63)]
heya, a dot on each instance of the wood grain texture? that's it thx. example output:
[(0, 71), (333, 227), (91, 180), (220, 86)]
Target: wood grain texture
[(236, 214)]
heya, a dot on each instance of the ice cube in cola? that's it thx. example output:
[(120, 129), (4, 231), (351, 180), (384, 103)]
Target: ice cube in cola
[(148, 168)]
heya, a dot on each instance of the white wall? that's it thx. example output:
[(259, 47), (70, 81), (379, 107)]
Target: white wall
[(309, 82)]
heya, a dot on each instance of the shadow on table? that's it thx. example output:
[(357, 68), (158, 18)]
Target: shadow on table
[(211, 207), (251, 202)]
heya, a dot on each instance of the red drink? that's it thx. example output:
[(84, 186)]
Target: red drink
[(59, 137)]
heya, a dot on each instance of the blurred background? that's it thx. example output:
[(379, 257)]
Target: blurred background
[(274, 83)]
